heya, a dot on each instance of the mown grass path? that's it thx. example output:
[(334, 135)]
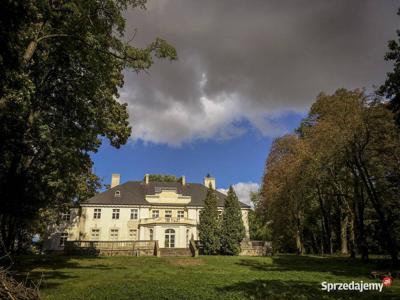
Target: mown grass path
[(218, 277)]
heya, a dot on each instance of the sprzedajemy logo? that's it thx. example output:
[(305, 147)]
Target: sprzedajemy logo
[(355, 286)]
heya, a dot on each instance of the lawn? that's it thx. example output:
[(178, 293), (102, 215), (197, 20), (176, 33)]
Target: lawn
[(217, 277)]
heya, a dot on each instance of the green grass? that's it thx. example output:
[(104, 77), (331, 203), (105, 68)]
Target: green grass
[(218, 277)]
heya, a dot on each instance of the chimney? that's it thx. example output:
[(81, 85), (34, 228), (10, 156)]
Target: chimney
[(209, 180), (115, 179), (183, 179), (146, 178)]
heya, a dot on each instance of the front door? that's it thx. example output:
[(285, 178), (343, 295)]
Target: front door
[(169, 238)]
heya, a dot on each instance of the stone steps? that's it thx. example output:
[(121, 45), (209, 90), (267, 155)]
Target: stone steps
[(175, 252)]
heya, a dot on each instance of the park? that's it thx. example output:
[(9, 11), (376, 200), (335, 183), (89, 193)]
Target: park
[(204, 277)]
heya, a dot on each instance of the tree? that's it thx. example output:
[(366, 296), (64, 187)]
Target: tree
[(285, 194), (258, 226), (61, 65), (162, 178), (209, 224), (334, 184), (232, 228), (391, 88)]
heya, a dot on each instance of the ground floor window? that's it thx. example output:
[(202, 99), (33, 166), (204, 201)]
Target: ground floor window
[(151, 234), (187, 238), (133, 234), (169, 238), (95, 234), (63, 238), (114, 234)]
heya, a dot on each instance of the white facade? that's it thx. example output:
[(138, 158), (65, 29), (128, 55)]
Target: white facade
[(168, 218)]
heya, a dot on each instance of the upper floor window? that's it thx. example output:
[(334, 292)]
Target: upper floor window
[(115, 213), (114, 234), (134, 214), (95, 234), (155, 214), (63, 238), (168, 213), (66, 216), (181, 214), (117, 193), (97, 213)]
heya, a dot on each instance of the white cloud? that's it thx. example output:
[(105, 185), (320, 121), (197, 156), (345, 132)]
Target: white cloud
[(177, 122), (243, 190), (253, 63)]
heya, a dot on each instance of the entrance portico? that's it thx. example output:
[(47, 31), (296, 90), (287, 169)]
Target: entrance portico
[(168, 235)]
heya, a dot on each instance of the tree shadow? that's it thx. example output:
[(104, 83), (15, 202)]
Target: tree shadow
[(339, 266), (289, 289), (48, 270)]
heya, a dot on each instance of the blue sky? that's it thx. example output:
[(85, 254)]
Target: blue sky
[(239, 159)]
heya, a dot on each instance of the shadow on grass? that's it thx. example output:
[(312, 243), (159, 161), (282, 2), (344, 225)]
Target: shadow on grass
[(289, 289), (51, 268), (339, 266)]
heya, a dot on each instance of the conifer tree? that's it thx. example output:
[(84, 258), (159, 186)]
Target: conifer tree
[(232, 228), (209, 224)]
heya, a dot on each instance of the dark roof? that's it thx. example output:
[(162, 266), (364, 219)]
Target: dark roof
[(134, 192)]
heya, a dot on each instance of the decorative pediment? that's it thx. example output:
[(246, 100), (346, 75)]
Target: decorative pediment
[(167, 196)]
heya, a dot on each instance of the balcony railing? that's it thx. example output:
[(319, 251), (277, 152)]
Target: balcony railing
[(168, 221)]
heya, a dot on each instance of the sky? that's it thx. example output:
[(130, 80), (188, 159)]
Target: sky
[(247, 72)]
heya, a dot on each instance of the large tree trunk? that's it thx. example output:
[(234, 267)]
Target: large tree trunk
[(388, 240), (343, 233)]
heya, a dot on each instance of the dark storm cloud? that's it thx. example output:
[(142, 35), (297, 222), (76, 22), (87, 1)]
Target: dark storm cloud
[(251, 60)]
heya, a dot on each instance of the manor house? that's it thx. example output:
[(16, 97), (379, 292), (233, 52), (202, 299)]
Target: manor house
[(167, 212)]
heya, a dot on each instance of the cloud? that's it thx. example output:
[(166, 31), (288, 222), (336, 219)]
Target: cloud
[(250, 61), (243, 190)]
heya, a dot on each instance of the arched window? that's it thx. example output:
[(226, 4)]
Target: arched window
[(151, 234), (117, 193)]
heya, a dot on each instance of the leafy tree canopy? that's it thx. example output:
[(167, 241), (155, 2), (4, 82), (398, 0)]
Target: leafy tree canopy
[(61, 65), (162, 178), (391, 87)]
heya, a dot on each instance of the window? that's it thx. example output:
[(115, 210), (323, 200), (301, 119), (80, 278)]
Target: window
[(97, 213), (115, 213), (181, 214), (133, 234), (168, 213), (95, 234), (169, 238), (134, 214), (66, 216), (187, 238), (155, 214), (63, 238), (151, 234), (114, 234), (117, 194)]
